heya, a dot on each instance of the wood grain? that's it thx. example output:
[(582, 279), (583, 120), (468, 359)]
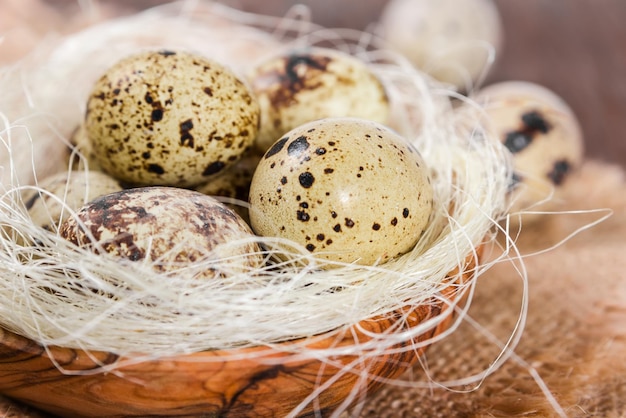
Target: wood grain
[(261, 382)]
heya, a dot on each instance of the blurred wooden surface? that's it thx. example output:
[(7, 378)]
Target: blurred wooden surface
[(578, 49)]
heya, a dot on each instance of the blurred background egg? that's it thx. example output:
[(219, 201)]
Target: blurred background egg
[(60, 194), (542, 134), (171, 228), (169, 118), (346, 189), (454, 41), (314, 83)]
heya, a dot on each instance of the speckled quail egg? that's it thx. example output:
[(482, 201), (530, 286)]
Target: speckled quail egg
[(80, 153), (169, 118), (168, 227), (453, 41), (234, 183), (60, 194), (346, 189), (543, 135), (308, 84)]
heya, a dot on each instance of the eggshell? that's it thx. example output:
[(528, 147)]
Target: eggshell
[(452, 40), (169, 227), (59, 194), (346, 189), (308, 84), (543, 135), (169, 118), (234, 183), (81, 155)]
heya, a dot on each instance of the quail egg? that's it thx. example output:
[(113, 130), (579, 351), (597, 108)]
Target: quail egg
[(453, 41), (234, 183), (169, 118), (308, 84), (543, 135), (346, 189), (60, 194), (79, 144), (168, 227)]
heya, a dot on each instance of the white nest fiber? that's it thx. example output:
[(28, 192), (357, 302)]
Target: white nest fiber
[(57, 294)]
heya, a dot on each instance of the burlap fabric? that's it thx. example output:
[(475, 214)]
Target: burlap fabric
[(575, 334)]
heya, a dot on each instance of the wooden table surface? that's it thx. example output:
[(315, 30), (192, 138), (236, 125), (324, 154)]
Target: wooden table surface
[(578, 49)]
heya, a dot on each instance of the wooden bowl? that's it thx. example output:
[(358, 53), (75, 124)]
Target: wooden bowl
[(260, 383)]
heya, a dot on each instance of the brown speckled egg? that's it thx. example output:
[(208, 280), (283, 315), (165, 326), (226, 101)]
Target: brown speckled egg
[(451, 40), (346, 189), (169, 118), (63, 192), (543, 135), (80, 152), (167, 226), (234, 183), (304, 85)]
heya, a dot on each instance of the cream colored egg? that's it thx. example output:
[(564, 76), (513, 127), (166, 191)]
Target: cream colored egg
[(167, 227), (543, 135), (234, 183), (346, 189), (304, 85), (454, 41), (59, 194), (81, 155), (169, 118)]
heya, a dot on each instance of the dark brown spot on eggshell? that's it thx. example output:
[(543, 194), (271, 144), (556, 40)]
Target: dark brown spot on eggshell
[(294, 77), (534, 121), (277, 147), (156, 115), (306, 179), (213, 168), (533, 124), (186, 138), (155, 168), (302, 216), (559, 172), (298, 146)]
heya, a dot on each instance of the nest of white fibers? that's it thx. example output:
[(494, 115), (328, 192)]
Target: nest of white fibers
[(129, 307)]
